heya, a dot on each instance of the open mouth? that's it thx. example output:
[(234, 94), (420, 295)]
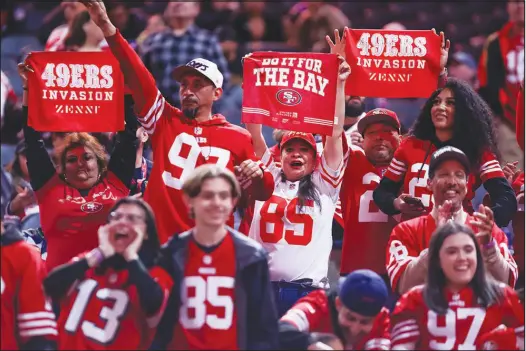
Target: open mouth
[(296, 164), (450, 193), (121, 236), (461, 268)]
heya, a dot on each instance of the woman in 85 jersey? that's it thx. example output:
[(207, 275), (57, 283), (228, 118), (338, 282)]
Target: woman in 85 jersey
[(112, 297), (296, 222), (459, 303)]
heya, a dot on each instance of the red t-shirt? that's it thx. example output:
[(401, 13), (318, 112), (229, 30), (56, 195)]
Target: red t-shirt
[(412, 322), (366, 227), (408, 239), (312, 313), (179, 144), (24, 309), (207, 315), (103, 312), (70, 221), (410, 164)]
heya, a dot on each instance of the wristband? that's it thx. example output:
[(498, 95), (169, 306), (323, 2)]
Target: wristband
[(490, 244), (95, 257)]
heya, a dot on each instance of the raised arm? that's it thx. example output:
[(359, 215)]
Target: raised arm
[(39, 164), (260, 146), (149, 103), (333, 147)]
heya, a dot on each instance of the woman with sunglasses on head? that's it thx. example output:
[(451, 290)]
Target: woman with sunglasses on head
[(454, 115), (459, 302), (75, 199), (113, 296)]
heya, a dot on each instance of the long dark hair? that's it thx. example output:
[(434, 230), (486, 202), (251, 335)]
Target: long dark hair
[(76, 35), (484, 288), (307, 190), (150, 247), (473, 117)]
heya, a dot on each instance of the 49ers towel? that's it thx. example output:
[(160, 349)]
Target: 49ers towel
[(75, 92), (392, 64), (291, 91)]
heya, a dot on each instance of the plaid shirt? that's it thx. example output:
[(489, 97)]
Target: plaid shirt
[(163, 52)]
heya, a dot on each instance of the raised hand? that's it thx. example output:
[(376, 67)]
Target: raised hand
[(445, 212), (484, 223), (444, 49), (131, 252), (99, 15), (511, 172), (338, 46), (104, 241), (22, 71)]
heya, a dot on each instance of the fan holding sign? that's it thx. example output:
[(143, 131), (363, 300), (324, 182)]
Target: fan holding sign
[(296, 221)]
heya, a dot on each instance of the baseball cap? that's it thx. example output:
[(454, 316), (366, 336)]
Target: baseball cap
[(465, 59), (308, 137), (448, 153), (203, 67), (364, 292), (378, 115)]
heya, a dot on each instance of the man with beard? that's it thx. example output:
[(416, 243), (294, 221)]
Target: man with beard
[(366, 228), (354, 112), (183, 140), (407, 255)]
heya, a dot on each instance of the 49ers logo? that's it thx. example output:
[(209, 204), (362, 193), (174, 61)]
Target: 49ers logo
[(288, 97), (91, 207)]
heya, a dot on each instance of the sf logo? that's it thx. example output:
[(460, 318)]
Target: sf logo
[(288, 97)]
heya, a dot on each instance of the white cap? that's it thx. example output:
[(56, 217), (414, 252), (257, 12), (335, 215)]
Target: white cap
[(202, 66)]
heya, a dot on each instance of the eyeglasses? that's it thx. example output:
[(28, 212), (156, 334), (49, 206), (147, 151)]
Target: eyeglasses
[(130, 217)]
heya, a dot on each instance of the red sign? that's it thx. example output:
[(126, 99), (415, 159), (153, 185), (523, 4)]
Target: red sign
[(392, 64), (290, 91), (75, 92)]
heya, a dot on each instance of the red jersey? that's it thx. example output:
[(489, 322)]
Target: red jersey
[(408, 239), (511, 45), (179, 144), (519, 119), (366, 227), (413, 323), (410, 164), (502, 338), (207, 316), (70, 221), (315, 313), (25, 312), (518, 222), (102, 312)]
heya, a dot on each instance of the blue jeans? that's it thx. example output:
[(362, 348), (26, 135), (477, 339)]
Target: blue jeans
[(287, 293)]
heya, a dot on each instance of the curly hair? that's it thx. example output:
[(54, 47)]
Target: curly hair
[(473, 132), (74, 140)]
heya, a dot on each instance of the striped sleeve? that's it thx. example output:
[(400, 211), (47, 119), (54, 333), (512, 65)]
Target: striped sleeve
[(502, 242), (397, 168), (268, 162), (35, 316), (308, 312), (328, 180), (378, 344), (399, 253), (149, 103), (489, 167), (405, 330)]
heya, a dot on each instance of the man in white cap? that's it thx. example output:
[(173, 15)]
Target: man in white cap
[(183, 140)]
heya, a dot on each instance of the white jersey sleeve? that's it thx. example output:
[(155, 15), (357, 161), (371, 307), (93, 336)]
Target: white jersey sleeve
[(329, 181)]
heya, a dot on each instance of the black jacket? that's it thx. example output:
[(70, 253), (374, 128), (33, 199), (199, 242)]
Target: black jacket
[(257, 318)]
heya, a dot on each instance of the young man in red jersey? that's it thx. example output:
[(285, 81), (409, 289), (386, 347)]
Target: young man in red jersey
[(183, 139), (356, 315), (27, 321), (367, 228), (222, 297), (407, 256)]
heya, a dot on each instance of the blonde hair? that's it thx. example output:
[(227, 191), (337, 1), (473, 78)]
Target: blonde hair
[(192, 185), (73, 140)]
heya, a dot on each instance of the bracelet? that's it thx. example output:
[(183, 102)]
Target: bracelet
[(95, 257), (490, 244)]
